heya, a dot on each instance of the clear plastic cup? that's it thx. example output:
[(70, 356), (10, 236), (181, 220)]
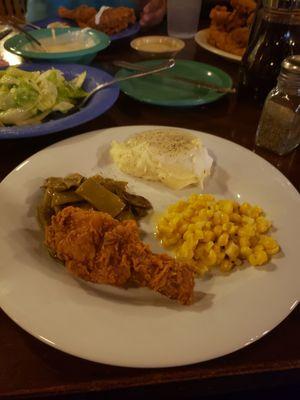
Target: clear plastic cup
[(183, 18)]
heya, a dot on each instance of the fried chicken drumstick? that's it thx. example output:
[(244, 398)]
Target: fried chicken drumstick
[(100, 249), (113, 20)]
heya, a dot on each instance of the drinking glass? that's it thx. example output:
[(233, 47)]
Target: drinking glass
[(183, 18)]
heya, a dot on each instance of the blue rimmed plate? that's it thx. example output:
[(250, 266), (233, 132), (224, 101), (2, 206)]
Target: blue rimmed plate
[(98, 104), (132, 30)]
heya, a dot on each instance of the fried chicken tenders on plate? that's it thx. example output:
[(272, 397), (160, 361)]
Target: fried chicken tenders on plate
[(97, 248)]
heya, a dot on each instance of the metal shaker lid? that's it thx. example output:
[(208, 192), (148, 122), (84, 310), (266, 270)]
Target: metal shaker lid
[(291, 64), (282, 4)]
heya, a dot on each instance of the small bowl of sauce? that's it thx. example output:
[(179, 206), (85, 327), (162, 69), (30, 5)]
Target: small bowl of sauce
[(157, 46), (64, 45)]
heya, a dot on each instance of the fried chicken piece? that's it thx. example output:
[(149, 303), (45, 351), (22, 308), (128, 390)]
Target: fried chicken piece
[(230, 42), (219, 16), (97, 248), (229, 30), (81, 14), (243, 6), (250, 19), (113, 20), (239, 37)]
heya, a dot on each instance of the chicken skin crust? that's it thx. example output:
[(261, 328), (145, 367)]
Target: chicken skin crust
[(97, 248)]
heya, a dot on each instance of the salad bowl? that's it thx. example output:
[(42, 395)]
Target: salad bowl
[(99, 103)]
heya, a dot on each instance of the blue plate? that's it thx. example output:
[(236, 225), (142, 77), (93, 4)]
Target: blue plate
[(97, 105), (132, 30)]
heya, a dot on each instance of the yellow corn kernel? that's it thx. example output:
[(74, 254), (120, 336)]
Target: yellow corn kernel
[(224, 218), (232, 250), (226, 206), (207, 197), (245, 251), (201, 269), (182, 228), (258, 247), (208, 225), (238, 261), (255, 212), (254, 240), (246, 230), (185, 252), (210, 213), (199, 251), (203, 214), (187, 214), (245, 209), (226, 265), (262, 224), (200, 225), (208, 236), (170, 242), (232, 229), (247, 220), (258, 258), (208, 246), (188, 235), (211, 258), (217, 218), (270, 245), (218, 230), (198, 235), (164, 231), (273, 250), (220, 257), (235, 217), (223, 239), (244, 241), (216, 248), (226, 226)]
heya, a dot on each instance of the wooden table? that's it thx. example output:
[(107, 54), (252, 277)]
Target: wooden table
[(29, 367)]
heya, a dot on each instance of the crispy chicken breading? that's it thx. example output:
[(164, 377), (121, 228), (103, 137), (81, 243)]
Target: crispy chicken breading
[(81, 14), (113, 20), (234, 42), (100, 249)]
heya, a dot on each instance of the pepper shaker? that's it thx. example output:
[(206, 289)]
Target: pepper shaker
[(279, 126)]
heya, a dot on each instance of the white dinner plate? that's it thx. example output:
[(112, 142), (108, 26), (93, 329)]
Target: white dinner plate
[(137, 327), (201, 39)]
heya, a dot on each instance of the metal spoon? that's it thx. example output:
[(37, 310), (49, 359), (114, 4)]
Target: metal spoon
[(169, 64)]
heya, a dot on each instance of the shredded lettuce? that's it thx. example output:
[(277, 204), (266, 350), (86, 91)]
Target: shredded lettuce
[(28, 97)]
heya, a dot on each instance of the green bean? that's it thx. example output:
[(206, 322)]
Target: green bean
[(101, 198)]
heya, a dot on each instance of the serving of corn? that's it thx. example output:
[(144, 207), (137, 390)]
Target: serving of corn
[(211, 233)]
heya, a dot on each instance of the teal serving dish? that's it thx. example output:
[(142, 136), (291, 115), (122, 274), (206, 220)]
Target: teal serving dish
[(17, 45)]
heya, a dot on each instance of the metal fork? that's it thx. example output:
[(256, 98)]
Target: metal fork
[(197, 83)]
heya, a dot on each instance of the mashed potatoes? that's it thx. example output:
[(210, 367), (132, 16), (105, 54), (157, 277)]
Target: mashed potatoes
[(209, 233), (174, 157)]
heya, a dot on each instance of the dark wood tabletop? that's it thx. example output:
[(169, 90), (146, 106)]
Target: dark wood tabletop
[(30, 368)]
